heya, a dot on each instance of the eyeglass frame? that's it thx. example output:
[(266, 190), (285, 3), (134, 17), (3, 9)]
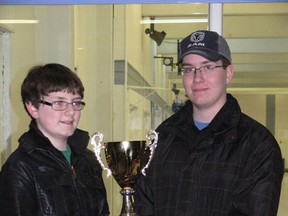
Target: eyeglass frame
[(52, 104), (207, 68)]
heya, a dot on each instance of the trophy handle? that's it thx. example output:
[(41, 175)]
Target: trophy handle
[(151, 145), (97, 146)]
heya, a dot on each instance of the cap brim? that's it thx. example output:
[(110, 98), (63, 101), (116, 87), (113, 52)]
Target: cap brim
[(212, 56)]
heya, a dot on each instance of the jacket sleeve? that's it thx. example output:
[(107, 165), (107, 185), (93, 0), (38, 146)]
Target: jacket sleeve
[(143, 195), (143, 198), (16, 191), (259, 190), (104, 207)]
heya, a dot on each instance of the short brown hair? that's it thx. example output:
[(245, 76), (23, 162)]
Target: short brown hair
[(44, 79)]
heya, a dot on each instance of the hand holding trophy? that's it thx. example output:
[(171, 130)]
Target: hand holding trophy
[(126, 160)]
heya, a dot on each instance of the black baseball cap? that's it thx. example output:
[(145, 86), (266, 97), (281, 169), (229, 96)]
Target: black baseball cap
[(208, 44)]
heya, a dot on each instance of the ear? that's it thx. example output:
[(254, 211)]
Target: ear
[(229, 73), (32, 110)]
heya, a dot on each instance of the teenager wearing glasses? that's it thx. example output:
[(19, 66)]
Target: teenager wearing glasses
[(211, 159), (52, 172)]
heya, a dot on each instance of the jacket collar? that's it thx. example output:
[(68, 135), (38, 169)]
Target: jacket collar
[(34, 139), (181, 124), (227, 117), (182, 121)]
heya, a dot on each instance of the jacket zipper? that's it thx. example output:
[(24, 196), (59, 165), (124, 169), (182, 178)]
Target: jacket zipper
[(73, 172), (74, 175)]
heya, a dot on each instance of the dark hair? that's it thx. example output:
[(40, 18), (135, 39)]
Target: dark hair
[(44, 79), (225, 62)]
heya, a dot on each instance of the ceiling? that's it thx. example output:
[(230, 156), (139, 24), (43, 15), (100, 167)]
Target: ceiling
[(256, 34)]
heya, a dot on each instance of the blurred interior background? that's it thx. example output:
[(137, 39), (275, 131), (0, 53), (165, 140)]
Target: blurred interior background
[(126, 56)]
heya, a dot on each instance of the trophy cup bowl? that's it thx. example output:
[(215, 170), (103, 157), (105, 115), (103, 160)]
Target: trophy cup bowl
[(126, 160)]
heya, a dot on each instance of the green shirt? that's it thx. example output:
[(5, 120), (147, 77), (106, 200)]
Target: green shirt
[(67, 154)]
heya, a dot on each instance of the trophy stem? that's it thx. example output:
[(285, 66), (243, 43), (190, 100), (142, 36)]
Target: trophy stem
[(127, 204)]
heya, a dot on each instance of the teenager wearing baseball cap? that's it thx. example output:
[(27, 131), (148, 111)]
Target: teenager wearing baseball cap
[(211, 159)]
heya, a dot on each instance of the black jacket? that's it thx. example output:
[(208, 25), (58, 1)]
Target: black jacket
[(37, 180), (232, 167)]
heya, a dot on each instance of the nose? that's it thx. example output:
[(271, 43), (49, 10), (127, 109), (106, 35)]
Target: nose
[(69, 108), (198, 76)]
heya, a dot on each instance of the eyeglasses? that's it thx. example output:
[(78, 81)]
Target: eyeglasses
[(203, 70), (62, 105)]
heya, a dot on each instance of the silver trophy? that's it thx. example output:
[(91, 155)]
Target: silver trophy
[(126, 159)]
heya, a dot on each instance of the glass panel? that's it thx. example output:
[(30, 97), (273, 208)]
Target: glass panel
[(259, 45)]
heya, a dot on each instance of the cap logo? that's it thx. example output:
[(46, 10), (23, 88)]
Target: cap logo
[(196, 39), (197, 36)]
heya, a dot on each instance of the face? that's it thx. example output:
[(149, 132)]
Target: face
[(206, 90), (56, 125)]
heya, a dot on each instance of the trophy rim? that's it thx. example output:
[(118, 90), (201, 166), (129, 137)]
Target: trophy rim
[(128, 141)]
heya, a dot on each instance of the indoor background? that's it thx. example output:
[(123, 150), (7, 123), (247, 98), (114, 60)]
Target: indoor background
[(131, 78)]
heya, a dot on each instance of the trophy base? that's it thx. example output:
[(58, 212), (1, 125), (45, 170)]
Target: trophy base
[(127, 204)]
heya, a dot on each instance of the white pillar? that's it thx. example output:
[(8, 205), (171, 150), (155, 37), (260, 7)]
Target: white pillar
[(216, 17), (5, 106)]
